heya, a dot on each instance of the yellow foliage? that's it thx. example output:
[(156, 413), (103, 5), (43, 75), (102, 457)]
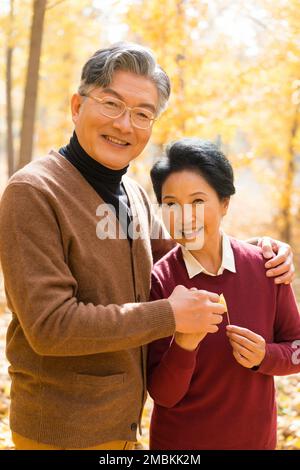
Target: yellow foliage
[(219, 91)]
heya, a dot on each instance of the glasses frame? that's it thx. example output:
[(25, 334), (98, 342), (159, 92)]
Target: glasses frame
[(99, 100)]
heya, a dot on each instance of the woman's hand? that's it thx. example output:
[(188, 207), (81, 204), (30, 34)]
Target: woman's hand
[(249, 349)]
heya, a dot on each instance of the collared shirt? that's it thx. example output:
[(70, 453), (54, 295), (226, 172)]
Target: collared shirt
[(194, 267)]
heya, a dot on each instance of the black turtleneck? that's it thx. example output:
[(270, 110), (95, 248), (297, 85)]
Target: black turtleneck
[(105, 181)]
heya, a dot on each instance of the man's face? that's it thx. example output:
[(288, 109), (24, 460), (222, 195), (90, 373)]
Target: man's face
[(95, 131)]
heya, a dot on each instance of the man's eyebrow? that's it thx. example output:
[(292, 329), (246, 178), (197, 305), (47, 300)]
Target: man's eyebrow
[(111, 91)]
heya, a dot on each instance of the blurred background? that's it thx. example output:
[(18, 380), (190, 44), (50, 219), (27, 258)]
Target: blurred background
[(235, 72)]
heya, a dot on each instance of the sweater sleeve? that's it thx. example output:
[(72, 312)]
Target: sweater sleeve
[(41, 288), (170, 368), (283, 355)]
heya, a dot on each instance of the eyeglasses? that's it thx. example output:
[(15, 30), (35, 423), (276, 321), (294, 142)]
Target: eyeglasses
[(114, 108)]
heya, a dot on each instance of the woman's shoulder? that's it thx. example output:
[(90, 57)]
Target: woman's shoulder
[(246, 252), (244, 246), (167, 273), (168, 262)]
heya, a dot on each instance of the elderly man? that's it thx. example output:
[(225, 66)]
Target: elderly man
[(80, 316)]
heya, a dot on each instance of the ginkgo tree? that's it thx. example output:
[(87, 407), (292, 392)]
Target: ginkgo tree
[(221, 89), (180, 33), (47, 46), (198, 62), (273, 113)]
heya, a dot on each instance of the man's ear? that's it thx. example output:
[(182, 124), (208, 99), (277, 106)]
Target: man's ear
[(76, 102)]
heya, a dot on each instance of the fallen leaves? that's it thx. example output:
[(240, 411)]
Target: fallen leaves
[(288, 399), (5, 436)]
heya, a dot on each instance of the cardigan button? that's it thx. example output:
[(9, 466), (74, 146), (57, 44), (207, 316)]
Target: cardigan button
[(133, 427)]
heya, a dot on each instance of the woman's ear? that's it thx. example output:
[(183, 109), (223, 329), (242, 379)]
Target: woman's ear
[(226, 202), (76, 102)]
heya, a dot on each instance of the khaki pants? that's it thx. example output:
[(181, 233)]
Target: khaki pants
[(22, 443)]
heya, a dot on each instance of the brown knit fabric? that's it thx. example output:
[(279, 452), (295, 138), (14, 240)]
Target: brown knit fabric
[(76, 336)]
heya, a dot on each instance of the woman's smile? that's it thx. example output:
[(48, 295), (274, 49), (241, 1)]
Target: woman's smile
[(193, 234)]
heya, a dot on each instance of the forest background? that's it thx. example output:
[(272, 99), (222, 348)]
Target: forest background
[(235, 72)]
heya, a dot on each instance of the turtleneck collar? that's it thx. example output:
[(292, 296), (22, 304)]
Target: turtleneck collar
[(90, 167), (105, 181)]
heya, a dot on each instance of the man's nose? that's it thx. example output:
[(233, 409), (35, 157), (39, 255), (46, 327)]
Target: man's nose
[(123, 122)]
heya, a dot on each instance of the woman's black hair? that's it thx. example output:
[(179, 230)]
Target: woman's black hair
[(202, 156)]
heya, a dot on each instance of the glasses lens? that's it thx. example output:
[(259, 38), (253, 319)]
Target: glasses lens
[(111, 107), (142, 118)]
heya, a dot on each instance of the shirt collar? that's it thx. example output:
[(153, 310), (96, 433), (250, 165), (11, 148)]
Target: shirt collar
[(194, 267)]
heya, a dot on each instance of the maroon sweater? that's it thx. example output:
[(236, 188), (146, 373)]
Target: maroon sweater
[(204, 399)]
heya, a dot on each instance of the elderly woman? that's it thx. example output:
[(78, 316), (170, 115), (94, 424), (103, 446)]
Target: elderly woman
[(215, 389)]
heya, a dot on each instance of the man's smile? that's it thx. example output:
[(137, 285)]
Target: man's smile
[(115, 141)]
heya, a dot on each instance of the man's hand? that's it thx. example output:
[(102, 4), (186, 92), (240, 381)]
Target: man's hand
[(196, 311), (249, 349), (281, 265)]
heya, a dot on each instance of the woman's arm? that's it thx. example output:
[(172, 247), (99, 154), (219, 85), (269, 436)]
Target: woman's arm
[(170, 368), (281, 356)]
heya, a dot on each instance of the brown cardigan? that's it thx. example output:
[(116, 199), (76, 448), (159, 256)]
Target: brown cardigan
[(75, 342)]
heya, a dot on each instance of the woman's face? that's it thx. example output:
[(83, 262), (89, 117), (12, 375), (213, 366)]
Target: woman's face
[(192, 210)]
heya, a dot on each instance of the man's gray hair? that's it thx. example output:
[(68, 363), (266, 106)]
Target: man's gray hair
[(99, 69)]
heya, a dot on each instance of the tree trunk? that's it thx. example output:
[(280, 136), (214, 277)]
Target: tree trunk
[(31, 88), (9, 110), (286, 230), (180, 60)]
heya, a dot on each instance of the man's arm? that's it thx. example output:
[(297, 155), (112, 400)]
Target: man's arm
[(161, 242), (41, 288), (279, 254)]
